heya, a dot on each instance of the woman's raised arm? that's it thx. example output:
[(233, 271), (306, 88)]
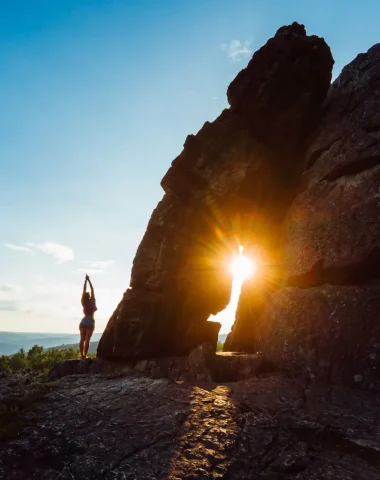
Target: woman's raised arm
[(92, 289), (85, 286)]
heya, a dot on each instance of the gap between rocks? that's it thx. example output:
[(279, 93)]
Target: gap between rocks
[(362, 274), (354, 168)]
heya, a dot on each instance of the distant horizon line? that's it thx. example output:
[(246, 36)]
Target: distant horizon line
[(44, 333), (65, 333)]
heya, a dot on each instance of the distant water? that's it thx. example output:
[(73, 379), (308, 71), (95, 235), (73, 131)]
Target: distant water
[(12, 342), (222, 337)]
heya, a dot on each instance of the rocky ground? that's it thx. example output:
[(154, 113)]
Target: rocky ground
[(129, 427)]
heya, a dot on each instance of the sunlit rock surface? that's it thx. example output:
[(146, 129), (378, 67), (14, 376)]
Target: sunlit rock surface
[(202, 364), (231, 184), (128, 427), (253, 299)]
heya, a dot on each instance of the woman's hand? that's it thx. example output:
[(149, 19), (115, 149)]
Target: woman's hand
[(87, 278)]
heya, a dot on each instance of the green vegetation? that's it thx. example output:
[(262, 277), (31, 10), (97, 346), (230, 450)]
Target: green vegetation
[(65, 346), (219, 347), (37, 359)]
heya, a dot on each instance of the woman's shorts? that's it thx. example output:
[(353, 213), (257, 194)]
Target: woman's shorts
[(87, 322)]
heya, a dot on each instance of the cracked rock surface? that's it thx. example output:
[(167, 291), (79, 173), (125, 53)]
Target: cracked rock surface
[(128, 427)]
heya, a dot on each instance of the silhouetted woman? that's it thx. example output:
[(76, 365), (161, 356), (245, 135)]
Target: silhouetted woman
[(87, 325)]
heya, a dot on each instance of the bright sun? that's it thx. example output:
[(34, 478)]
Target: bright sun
[(242, 267)]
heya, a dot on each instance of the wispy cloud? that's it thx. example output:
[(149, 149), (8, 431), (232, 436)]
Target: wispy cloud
[(19, 248), (9, 306), (102, 264), (236, 50), (7, 287), (61, 253), (95, 267), (9, 297), (63, 289), (9, 292), (89, 271)]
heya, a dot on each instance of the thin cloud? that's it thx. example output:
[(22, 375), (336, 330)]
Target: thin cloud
[(7, 287), (10, 297), (90, 271), (102, 264), (9, 306), (237, 50), (117, 291), (19, 248), (63, 289), (8, 291), (61, 253), (95, 267)]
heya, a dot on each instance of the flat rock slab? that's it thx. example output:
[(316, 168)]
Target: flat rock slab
[(97, 427), (234, 366), (201, 364)]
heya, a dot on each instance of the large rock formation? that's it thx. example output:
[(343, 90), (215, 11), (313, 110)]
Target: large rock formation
[(332, 236), (231, 184), (332, 231), (293, 166)]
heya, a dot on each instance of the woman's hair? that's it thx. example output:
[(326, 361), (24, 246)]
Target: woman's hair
[(86, 296)]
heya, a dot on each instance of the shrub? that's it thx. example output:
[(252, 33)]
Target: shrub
[(18, 361), (37, 359)]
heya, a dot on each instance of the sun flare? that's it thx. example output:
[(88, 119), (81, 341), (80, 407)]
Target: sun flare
[(242, 267)]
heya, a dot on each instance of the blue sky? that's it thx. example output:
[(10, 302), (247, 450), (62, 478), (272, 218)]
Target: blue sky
[(96, 99)]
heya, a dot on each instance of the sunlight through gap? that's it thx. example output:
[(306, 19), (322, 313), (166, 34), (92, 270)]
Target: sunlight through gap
[(242, 268)]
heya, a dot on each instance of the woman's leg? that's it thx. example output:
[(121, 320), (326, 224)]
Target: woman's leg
[(89, 332), (82, 340)]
